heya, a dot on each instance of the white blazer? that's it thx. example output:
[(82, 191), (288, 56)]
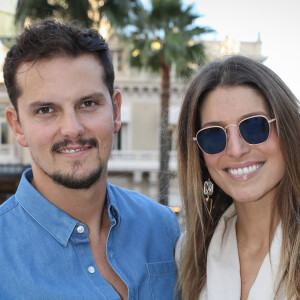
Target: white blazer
[(223, 267)]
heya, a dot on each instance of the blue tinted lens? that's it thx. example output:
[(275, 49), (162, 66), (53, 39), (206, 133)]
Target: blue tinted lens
[(212, 140), (255, 130)]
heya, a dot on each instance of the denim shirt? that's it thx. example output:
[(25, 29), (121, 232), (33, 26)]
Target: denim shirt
[(46, 254)]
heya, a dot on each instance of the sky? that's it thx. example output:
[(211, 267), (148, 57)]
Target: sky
[(277, 22)]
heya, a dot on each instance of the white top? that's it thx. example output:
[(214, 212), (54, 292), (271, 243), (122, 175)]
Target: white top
[(223, 267)]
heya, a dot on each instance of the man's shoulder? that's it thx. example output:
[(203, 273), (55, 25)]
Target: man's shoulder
[(8, 206), (143, 210), (135, 204), (122, 195)]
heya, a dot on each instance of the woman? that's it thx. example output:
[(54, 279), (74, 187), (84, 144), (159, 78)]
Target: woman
[(239, 174)]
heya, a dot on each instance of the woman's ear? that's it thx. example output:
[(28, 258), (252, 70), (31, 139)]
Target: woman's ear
[(14, 123)]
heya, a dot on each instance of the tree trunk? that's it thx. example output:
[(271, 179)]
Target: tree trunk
[(164, 175)]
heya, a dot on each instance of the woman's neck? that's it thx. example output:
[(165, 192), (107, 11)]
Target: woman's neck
[(253, 223)]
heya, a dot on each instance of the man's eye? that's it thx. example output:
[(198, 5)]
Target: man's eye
[(45, 110), (88, 103)]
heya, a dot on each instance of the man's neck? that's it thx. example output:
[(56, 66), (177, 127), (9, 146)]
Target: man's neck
[(85, 205)]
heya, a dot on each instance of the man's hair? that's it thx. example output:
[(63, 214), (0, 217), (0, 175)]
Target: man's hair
[(52, 38)]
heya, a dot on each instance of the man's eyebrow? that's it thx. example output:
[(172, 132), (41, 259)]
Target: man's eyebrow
[(97, 95), (39, 104)]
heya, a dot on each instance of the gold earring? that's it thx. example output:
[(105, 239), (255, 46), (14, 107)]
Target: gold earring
[(208, 190)]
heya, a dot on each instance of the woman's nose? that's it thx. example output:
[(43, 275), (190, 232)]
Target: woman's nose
[(236, 145)]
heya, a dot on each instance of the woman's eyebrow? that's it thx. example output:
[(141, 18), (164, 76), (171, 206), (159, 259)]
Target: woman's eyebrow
[(223, 124), (213, 123), (257, 113)]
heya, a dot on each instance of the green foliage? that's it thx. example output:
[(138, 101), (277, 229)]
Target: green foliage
[(170, 27), (37, 10), (118, 12)]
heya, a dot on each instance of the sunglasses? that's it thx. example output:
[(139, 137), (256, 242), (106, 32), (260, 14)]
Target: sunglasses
[(254, 130)]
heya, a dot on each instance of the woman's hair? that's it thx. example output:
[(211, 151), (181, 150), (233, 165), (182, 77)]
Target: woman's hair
[(192, 171)]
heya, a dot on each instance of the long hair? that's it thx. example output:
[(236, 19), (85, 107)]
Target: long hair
[(192, 171)]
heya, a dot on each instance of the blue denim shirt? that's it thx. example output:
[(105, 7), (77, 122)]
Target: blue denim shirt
[(45, 253)]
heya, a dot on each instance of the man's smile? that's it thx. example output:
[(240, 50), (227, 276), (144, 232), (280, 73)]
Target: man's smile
[(73, 150)]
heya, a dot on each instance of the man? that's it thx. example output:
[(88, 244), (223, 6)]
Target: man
[(67, 233)]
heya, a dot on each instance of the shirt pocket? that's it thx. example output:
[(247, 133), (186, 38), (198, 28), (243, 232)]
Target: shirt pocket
[(162, 276)]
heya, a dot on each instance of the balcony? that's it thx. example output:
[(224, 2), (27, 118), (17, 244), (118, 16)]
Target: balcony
[(138, 170), (138, 160)]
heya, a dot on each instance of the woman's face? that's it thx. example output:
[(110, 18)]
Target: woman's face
[(244, 172)]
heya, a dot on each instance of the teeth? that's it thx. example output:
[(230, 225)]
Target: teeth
[(245, 170), (71, 150)]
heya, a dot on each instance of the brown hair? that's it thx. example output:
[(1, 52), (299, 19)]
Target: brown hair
[(192, 171), (51, 38)]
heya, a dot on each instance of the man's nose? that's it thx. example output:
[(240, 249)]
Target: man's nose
[(71, 125)]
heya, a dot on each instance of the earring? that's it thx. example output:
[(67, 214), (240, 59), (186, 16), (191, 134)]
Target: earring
[(208, 190)]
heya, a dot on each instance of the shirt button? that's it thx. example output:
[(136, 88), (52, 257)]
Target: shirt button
[(80, 229), (110, 253), (91, 269)]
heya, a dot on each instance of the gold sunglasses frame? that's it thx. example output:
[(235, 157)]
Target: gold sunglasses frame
[(238, 127)]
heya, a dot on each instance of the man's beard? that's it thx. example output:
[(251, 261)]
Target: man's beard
[(82, 182), (71, 181)]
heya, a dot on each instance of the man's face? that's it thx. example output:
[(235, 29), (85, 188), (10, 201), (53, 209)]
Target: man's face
[(66, 118)]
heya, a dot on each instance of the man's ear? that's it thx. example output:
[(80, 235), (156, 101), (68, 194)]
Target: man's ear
[(13, 122), (117, 102)]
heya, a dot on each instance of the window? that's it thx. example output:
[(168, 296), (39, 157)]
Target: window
[(4, 132), (3, 126), (118, 140), (117, 56), (121, 138)]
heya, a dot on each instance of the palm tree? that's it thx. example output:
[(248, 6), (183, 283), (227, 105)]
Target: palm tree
[(162, 36), (87, 12), (36, 10)]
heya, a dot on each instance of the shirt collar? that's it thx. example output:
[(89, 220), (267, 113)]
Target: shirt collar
[(55, 221), (112, 205)]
